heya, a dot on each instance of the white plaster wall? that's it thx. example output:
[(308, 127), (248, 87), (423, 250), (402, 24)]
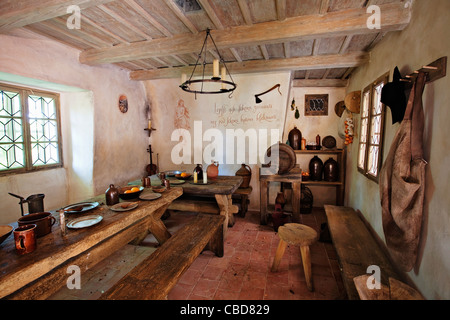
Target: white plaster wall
[(101, 145), (310, 127), (164, 95), (213, 111), (423, 41)]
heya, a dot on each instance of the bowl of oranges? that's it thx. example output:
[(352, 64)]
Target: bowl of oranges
[(183, 176), (130, 192)]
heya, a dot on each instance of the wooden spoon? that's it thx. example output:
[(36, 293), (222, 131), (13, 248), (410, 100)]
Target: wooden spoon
[(77, 208)]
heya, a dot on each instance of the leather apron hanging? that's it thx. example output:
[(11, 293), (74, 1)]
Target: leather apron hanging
[(402, 183)]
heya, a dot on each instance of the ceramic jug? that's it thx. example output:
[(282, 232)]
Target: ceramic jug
[(295, 138), (330, 170), (112, 195), (315, 169), (213, 170), (246, 173)]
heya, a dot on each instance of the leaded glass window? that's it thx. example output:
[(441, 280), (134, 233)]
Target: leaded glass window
[(29, 130), (372, 127), (364, 130)]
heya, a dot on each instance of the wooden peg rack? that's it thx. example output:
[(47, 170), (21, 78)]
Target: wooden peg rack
[(435, 70)]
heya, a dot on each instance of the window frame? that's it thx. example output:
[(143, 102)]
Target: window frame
[(24, 93), (368, 142)]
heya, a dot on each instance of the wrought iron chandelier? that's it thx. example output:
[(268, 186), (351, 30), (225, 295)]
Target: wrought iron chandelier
[(215, 84)]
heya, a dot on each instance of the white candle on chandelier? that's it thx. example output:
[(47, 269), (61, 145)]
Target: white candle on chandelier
[(224, 74), (183, 78), (215, 68)]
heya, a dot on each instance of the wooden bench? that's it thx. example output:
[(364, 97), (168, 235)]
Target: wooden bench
[(203, 204), (241, 197), (357, 248), (154, 277)]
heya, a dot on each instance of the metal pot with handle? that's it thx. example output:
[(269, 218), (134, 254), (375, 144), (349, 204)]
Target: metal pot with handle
[(35, 202)]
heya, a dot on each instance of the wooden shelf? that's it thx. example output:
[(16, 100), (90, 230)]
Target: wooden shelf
[(322, 183), (322, 151), (340, 185)]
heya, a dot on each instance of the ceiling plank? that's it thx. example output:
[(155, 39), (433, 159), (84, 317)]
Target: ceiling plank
[(245, 11), (211, 14), (308, 63), (136, 7), (281, 9), (340, 23), (16, 14), (264, 52), (102, 29), (124, 21), (320, 82), (177, 11)]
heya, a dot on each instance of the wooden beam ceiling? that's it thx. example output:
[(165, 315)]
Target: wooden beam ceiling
[(347, 60), (394, 16), (15, 13)]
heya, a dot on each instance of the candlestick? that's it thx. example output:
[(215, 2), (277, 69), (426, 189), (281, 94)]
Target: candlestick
[(195, 176)]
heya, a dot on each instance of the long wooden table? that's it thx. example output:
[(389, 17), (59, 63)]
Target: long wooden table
[(39, 274), (219, 189)]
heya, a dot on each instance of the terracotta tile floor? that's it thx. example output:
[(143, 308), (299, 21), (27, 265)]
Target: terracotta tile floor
[(243, 273)]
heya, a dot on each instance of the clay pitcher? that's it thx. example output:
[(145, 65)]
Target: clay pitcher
[(213, 170), (246, 173)]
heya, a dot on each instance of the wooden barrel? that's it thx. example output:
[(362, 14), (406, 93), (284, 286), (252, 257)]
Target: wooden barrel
[(286, 157)]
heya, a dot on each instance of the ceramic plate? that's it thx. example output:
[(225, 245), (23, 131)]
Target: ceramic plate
[(124, 206), (84, 222), (177, 182), (80, 207), (150, 196)]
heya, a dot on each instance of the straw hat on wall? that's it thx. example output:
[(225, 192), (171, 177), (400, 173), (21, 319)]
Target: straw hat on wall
[(353, 101)]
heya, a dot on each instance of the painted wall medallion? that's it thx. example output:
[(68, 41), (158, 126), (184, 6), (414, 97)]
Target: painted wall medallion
[(123, 103)]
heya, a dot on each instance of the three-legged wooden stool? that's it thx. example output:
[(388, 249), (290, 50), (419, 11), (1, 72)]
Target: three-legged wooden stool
[(301, 235)]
